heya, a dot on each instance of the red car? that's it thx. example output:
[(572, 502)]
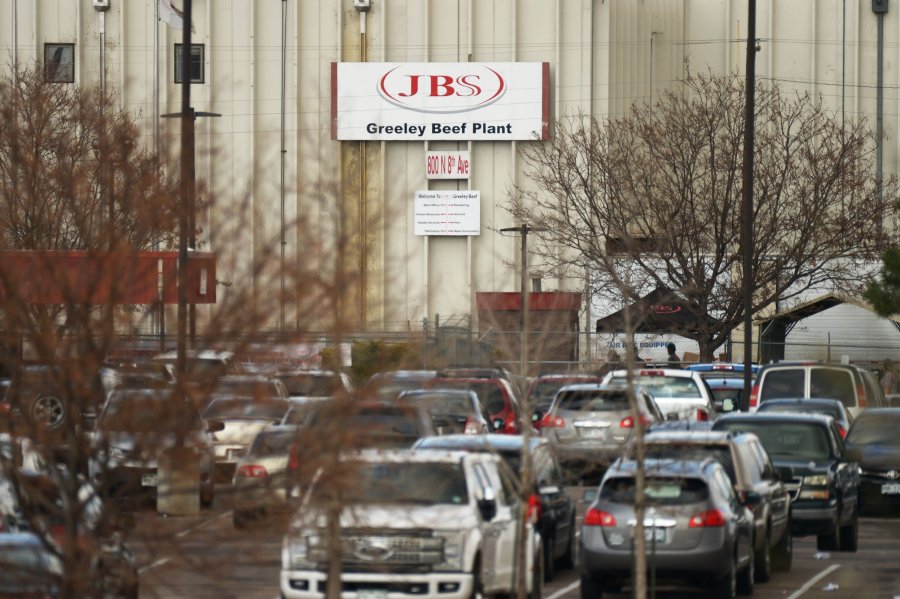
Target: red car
[(498, 400)]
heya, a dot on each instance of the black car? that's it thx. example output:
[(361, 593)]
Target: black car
[(825, 485), (756, 481), (828, 407), (556, 518), (873, 442)]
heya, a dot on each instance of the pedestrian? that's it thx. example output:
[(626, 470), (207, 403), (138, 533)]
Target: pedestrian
[(673, 359), (889, 380)]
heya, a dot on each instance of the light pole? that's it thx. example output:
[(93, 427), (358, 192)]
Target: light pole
[(523, 230), (747, 199)]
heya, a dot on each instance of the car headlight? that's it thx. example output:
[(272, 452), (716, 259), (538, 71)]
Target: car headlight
[(454, 551), (296, 551), (818, 480)]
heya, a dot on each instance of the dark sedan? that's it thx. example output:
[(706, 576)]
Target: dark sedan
[(874, 444), (828, 407)]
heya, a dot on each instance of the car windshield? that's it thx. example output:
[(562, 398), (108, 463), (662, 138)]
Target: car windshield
[(664, 387), (658, 490), (410, 483), (310, 385), (445, 404), (692, 452), (245, 409), (592, 401), (489, 394), (26, 564), (254, 389), (269, 443), (722, 394), (141, 414), (382, 421), (297, 415), (787, 440), (875, 429)]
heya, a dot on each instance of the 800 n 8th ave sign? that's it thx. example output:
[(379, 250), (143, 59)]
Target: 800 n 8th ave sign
[(440, 101)]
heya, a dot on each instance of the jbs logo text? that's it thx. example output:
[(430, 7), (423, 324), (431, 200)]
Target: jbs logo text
[(441, 92)]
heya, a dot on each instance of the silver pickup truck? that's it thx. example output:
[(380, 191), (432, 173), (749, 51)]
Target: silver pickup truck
[(416, 523)]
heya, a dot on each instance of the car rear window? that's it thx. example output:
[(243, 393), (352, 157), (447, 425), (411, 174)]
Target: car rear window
[(665, 387), (783, 383), (658, 490), (880, 429), (789, 440), (833, 383), (801, 408), (446, 404), (309, 385), (592, 401), (692, 452)]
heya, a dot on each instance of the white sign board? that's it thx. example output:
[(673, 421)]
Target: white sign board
[(447, 165), (448, 213), (440, 101)]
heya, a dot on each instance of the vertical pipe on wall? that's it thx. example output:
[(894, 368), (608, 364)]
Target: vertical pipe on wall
[(880, 7), (363, 199), (15, 36), (283, 156), (102, 16)]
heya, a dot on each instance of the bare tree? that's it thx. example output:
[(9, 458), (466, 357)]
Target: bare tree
[(653, 198)]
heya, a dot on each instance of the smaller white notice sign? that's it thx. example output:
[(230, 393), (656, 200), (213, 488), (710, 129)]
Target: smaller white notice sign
[(448, 213), (447, 165)]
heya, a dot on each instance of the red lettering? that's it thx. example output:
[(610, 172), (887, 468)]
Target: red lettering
[(441, 82), (473, 89), (413, 86)]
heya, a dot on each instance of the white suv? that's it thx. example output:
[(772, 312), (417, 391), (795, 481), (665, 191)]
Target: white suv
[(419, 524), (680, 394)]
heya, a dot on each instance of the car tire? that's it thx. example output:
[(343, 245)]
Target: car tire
[(207, 495), (763, 561), (783, 555), (591, 588), (723, 588), (477, 588), (850, 535), (48, 411), (567, 561), (830, 542), (747, 576)]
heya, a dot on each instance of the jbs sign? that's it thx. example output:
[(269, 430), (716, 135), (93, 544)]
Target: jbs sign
[(440, 101)]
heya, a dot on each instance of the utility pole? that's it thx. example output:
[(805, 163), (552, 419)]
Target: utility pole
[(523, 231), (880, 8), (747, 201)]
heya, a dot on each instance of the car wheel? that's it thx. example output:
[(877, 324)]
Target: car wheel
[(783, 555), (747, 576), (477, 589), (830, 542), (567, 561), (549, 562), (207, 495), (763, 561), (591, 588), (850, 535), (48, 411), (723, 588)]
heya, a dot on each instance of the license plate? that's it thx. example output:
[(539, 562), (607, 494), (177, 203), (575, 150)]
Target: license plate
[(890, 489), (655, 535), (148, 480), (371, 594)]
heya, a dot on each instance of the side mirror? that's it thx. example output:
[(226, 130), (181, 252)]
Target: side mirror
[(214, 426), (488, 508), (589, 496), (498, 424), (785, 473), (727, 405), (750, 498)]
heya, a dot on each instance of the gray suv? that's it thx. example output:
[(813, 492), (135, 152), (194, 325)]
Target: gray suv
[(697, 530)]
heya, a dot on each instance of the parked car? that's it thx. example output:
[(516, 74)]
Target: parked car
[(825, 486), (854, 386), (697, 530), (722, 370), (241, 418), (426, 523), (28, 568), (828, 407), (258, 387), (874, 443), (680, 394), (496, 395), (134, 429), (389, 384), (518, 382), (314, 383), (260, 485), (452, 410), (755, 479), (369, 423), (556, 514), (590, 426), (544, 388)]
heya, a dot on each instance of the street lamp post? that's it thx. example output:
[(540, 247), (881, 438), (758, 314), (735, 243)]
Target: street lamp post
[(523, 231), (747, 201)]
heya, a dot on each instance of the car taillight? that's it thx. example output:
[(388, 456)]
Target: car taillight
[(628, 422), (861, 394), (534, 510), (511, 424), (754, 396), (551, 421), (707, 519), (702, 415), (651, 373), (253, 471), (595, 517), (842, 431), (472, 427), (294, 458)]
